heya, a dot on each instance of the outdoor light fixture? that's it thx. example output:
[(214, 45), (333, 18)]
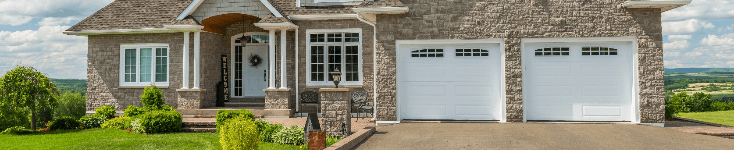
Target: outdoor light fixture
[(244, 39), (337, 76)]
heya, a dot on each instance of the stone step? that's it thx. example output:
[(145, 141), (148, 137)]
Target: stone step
[(199, 124), (212, 111), (199, 116), (244, 104), (198, 129)]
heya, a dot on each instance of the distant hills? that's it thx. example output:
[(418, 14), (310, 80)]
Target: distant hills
[(697, 70)]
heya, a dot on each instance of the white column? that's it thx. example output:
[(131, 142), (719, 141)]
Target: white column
[(283, 83), (271, 58), (186, 61), (197, 38)]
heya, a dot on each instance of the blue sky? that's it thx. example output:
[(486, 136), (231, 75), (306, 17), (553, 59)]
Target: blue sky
[(699, 35)]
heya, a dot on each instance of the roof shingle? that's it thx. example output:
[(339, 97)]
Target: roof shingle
[(135, 14)]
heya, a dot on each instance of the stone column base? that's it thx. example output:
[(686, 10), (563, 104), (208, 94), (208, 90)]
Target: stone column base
[(336, 113), (278, 103), (190, 98)]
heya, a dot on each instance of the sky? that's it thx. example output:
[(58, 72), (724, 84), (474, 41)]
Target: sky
[(698, 35)]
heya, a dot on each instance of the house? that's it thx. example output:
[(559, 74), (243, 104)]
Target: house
[(504, 60)]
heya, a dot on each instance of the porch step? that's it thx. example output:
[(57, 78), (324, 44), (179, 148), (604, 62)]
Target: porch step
[(212, 111), (198, 129), (261, 100), (199, 125), (203, 124), (244, 104)]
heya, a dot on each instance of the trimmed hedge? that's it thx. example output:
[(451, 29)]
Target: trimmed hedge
[(289, 135), (107, 112), (152, 98), (92, 121), (157, 122), (132, 111), (64, 122), (224, 115), (18, 130), (118, 123), (266, 133), (238, 133)]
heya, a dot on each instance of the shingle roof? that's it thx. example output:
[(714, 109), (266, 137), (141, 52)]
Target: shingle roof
[(135, 14), (288, 7), (273, 19)]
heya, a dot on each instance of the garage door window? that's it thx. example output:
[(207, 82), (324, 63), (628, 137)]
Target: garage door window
[(552, 51), (472, 52), (329, 51), (598, 51), (427, 53)]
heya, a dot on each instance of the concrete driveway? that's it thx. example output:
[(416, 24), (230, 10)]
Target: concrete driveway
[(537, 136)]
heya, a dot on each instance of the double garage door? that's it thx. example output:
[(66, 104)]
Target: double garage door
[(567, 82)]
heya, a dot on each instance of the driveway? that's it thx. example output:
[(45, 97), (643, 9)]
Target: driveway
[(537, 136)]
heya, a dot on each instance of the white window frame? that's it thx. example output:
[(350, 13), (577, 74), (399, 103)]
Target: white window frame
[(137, 82), (343, 63)]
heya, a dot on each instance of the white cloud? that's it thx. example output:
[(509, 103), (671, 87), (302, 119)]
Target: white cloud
[(46, 49), (686, 27), (19, 12), (679, 37), (53, 21), (676, 45), (712, 40), (726, 28), (702, 10)]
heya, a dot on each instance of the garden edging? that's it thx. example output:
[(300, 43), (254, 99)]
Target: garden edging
[(352, 140), (701, 122)]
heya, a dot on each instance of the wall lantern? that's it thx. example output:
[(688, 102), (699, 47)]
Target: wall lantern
[(337, 76), (244, 39)]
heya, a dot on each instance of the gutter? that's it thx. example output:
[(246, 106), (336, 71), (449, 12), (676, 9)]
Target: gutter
[(374, 65), (165, 29)]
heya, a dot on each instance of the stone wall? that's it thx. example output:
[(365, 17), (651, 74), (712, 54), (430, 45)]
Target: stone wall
[(513, 20), (367, 53), (335, 110)]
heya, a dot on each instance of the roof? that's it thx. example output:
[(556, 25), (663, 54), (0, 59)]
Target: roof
[(273, 19), (289, 7), (135, 14)]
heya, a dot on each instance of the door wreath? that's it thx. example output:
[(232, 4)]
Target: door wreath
[(255, 60)]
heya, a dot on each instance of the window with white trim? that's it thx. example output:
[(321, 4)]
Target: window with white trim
[(328, 51), (143, 65), (596, 51), (552, 51)]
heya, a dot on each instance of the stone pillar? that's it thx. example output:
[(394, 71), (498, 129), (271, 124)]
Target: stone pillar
[(278, 103), (190, 98), (335, 111)]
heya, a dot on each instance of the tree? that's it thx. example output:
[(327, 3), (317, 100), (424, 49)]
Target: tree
[(71, 104), (25, 87)]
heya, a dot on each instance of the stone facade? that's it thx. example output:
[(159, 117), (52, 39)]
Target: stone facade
[(278, 99), (335, 110), (513, 20), (190, 98)]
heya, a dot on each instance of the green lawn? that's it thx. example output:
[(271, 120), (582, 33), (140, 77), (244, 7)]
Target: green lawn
[(117, 139), (720, 117)]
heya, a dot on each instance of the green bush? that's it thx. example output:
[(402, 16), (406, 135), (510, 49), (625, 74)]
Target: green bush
[(719, 106), (11, 116), (238, 133), (132, 111), (73, 105), (152, 98), (266, 134), (261, 125), (64, 122), (18, 130), (92, 121), (167, 108), (330, 140), (159, 122), (224, 115), (136, 126), (118, 123), (289, 135), (699, 102), (106, 111)]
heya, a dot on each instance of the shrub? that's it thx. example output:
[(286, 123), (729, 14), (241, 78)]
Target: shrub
[(118, 123), (73, 105), (238, 133), (18, 130), (330, 140), (152, 98), (266, 134), (261, 125), (159, 122), (92, 121), (132, 111), (167, 108), (64, 122), (224, 115), (289, 135), (699, 102), (719, 106), (136, 126), (106, 111), (11, 116)]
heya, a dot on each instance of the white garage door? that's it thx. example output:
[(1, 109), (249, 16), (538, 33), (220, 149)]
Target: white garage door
[(449, 82), (578, 82)]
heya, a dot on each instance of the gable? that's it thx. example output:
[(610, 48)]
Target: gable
[(209, 8)]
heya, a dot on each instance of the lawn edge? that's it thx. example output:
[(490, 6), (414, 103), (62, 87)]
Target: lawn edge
[(701, 122)]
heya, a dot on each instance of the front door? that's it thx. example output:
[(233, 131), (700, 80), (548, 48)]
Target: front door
[(256, 77)]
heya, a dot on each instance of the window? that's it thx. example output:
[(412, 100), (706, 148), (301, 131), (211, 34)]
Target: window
[(143, 65), (427, 53), (255, 39), (472, 52), (594, 51), (552, 51), (329, 51)]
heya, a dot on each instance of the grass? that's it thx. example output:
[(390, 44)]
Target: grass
[(719, 117), (118, 139)]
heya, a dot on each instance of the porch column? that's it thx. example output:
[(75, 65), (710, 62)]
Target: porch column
[(197, 35), (283, 82), (186, 61), (271, 58)]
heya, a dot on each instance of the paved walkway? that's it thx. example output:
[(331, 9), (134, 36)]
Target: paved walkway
[(537, 136), (299, 121)]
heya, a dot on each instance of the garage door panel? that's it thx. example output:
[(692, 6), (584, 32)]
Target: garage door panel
[(473, 110), (423, 109), (553, 90), (426, 90), (554, 71), (601, 91), (602, 110), (601, 71)]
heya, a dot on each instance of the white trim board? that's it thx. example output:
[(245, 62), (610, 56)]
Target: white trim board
[(381, 10), (196, 3), (664, 5), (635, 77), (165, 29), (323, 17)]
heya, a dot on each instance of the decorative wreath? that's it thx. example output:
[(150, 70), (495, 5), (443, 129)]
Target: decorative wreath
[(255, 60)]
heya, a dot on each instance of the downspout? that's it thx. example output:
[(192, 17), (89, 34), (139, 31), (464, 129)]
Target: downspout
[(374, 67), (297, 95)]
